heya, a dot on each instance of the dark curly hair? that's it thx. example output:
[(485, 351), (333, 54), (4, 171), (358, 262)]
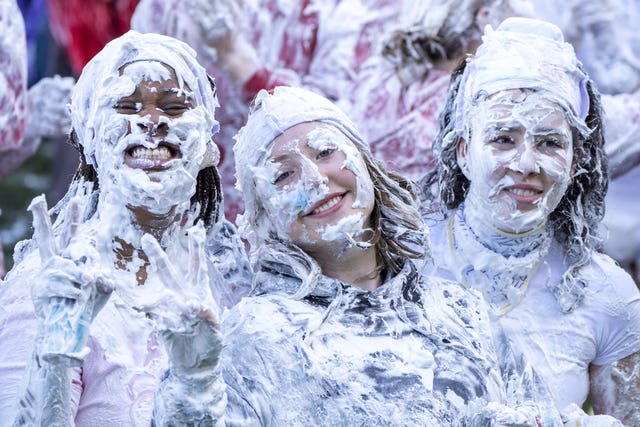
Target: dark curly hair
[(575, 222)]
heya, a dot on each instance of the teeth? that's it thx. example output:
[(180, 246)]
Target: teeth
[(523, 192), (327, 205), (160, 153)]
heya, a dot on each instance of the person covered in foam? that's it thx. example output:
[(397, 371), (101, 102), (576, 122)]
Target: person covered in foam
[(340, 327), (521, 180), (80, 350), (399, 93)]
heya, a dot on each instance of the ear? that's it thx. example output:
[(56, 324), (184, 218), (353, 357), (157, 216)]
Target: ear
[(462, 157), (482, 18), (211, 155)]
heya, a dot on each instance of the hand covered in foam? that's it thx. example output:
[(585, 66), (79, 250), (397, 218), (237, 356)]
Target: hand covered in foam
[(214, 18), (186, 310), (69, 291), (574, 416), (192, 393), (47, 108)]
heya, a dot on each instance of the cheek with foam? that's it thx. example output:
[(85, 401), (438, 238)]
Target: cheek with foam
[(286, 203), (325, 136)]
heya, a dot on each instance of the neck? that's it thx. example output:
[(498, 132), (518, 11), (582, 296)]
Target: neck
[(499, 241), (153, 223), (129, 255), (355, 266)]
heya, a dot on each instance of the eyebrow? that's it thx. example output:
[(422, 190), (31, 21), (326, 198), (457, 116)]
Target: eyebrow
[(506, 126), (279, 158)]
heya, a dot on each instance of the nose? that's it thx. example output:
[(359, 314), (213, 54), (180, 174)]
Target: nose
[(314, 176), (149, 122), (526, 160)]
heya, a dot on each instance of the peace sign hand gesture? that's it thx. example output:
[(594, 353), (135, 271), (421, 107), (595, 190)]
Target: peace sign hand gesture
[(185, 311), (69, 290)]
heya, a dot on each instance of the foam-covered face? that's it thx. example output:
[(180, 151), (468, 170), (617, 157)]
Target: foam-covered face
[(153, 138), (519, 160), (315, 187)]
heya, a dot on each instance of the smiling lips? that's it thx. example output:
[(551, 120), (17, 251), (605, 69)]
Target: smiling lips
[(140, 157), (326, 206), (524, 193)]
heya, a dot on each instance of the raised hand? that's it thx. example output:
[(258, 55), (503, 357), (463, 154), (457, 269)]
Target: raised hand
[(67, 294), (185, 310), (69, 291), (47, 110)]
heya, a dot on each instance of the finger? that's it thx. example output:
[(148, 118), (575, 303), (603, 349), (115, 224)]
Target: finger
[(160, 260), (43, 230), (61, 277), (59, 288), (71, 221), (197, 265)]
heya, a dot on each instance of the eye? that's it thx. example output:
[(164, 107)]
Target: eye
[(553, 142), (126, 107), (502, 140), (282, 176), (325, 152), (175, 108)]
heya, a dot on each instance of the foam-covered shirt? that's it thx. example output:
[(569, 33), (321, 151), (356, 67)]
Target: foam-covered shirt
[(604, 328), (415, 351)]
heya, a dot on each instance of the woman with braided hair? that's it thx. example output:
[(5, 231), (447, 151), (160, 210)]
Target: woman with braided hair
[(83, 353), (521, 180)]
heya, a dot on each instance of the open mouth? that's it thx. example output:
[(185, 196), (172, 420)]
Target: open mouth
[(140, 157), (327, 206)]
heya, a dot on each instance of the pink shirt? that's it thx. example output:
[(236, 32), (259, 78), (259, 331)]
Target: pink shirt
[(116, 383)]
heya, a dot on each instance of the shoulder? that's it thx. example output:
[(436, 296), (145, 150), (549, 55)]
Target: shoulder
[(605, 277)]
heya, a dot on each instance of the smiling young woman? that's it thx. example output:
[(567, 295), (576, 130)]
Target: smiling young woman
[(340, 328), (521, 180), (143, 122)]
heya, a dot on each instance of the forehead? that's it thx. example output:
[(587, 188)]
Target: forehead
[(151, 74), (528, 108), (305, 134)]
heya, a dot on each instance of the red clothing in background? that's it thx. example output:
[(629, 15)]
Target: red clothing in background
[(83, 27)]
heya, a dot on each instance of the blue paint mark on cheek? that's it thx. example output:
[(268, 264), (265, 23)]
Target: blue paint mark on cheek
[(301, 203)]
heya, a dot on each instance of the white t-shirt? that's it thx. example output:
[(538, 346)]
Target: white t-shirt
[(604, 328)]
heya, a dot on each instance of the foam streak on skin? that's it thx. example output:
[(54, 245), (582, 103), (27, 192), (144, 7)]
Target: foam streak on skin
[(490, 158), (312, 187), (295, 198), (616, 386), (325, 137), (159, 192)]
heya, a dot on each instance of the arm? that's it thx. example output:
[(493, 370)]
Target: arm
[(66, 299), (218, 31), (46, 115), (615, 389), (47, 111)]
